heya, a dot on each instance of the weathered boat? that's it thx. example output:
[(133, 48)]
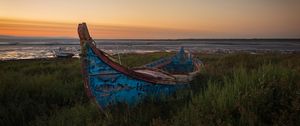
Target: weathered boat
[(109, 83), (60, 53), (64, 55)]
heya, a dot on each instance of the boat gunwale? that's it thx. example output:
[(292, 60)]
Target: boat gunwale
[(131, 73)]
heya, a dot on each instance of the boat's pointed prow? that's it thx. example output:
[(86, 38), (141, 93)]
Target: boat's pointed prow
[(83, 33)]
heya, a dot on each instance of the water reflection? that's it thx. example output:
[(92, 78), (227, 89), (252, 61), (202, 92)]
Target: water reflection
[(32, 51)]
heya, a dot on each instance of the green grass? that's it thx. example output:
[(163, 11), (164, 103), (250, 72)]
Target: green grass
[(247, 97), (135, 60), (232, 89)]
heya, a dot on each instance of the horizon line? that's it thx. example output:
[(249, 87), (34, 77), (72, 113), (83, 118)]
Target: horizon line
[(3, 36)]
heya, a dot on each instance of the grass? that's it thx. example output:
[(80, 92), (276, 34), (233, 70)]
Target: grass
[(135, 60), (247, 97), (232, 89)]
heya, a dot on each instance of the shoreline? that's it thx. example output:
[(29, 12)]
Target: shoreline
[(165, 52)]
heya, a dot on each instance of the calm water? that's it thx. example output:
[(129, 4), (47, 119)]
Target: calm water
[(44, 48)]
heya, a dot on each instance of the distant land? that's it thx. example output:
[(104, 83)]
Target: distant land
[(20, 40)]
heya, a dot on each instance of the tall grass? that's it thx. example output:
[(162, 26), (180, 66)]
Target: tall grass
[(29, 89), (232, 89), (260, 96)]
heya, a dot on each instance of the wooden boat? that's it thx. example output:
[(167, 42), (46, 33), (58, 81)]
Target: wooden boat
[(60, 53), (64, 55), (109, 83)]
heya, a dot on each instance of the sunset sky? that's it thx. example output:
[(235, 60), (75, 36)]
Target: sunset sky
[(170, 19)]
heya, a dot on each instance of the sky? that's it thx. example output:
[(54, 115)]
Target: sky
[(152, 19)]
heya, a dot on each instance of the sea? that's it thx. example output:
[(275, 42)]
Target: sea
[(14, 49)]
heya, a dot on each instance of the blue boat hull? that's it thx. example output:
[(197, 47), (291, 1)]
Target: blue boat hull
[(109, 86), (109, 83)]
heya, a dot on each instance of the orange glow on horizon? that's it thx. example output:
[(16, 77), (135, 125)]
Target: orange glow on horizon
[(35, 28), (47, 29), (171, 19)]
